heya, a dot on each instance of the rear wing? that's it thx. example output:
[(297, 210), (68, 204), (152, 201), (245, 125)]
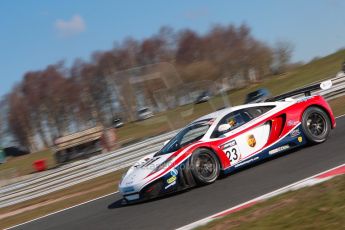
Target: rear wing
[(305, 90)]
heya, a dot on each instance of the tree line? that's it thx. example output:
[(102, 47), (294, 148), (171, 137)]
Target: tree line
[(56, 100)]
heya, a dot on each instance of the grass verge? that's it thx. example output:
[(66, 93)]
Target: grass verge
[(318, 207), (22, 165), (338, 105)]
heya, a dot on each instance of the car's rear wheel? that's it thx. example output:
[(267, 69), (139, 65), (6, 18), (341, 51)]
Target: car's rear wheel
[(204, 166), (316, 125)]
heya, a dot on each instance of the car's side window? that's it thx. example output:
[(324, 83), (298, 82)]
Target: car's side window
[(238, 118), (234, 120)]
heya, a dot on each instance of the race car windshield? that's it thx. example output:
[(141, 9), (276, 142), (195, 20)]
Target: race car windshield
[(188, 135)]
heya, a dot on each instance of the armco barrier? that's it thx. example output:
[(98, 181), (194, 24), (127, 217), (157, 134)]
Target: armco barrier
[(81, 171)]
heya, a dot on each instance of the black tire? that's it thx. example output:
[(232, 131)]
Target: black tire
[(316, 125), (205, 166)]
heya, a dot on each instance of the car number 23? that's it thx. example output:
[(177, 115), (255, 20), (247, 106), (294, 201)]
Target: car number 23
[(232, 152)]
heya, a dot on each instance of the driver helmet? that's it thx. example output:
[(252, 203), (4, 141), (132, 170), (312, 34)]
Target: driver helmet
[(232, 122)]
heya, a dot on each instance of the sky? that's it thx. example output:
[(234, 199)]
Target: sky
[(34, 34)]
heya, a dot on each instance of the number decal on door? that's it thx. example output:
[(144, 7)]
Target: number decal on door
[(232, 152), (232, 155)]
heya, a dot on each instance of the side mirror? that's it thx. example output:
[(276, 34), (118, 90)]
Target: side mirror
[(165, 142), (224, 127)]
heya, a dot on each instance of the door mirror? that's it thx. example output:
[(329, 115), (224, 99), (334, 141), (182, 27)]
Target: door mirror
[(224, 127)]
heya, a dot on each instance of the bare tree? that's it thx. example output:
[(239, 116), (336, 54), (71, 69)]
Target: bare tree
[(57, 100), (19, 119), (189, 48), (282, 55)]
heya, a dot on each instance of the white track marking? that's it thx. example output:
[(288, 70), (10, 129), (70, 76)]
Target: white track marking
[(309, 181), (62, 210), (340, 116)]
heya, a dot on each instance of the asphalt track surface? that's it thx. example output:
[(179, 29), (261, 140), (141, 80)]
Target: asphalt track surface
[(186, 207)]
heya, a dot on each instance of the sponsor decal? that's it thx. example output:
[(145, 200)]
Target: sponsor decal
[(300, 139), (292, 123), (174, 172), (279, 149), (129, 182), (251, 141), (247, 162), (169, 185), (172, 179), (295, 133), (304, 99), (228, 144)]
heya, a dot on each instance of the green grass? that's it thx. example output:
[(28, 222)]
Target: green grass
[(318, 207), (338, 106), (19, 166), (317, 70)]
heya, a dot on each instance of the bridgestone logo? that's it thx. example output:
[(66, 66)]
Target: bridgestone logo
[(279, 149)]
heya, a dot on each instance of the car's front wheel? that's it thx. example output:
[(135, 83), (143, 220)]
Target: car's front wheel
[(204, 166), (316, 125)]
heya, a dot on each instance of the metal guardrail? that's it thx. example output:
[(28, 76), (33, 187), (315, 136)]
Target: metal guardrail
[(80, 171), (90, 161), (96, 166), (337, 90)]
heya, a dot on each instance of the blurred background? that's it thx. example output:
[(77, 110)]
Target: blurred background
[(80, 78), (87, 88)]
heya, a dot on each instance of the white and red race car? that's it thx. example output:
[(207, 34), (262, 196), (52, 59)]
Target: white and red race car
[(226, 140)]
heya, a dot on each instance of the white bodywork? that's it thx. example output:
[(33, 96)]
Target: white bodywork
[(134, 179), (261, 134), (140, 174)]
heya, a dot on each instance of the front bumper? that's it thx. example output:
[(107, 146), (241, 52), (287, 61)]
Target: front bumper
[(170, 183)]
